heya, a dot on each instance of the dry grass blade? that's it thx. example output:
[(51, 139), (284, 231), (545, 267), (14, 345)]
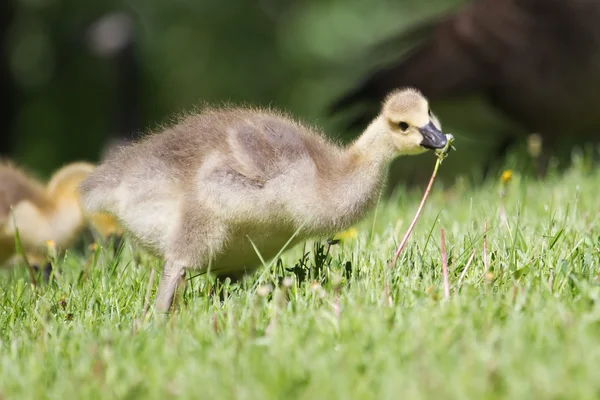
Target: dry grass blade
[(414, 221), (464, 271), (337, 309), (440, 157), (441, 154), (445, 265), (485, 260), (146, 300), (214, 323), (387, 295), (148, 292)]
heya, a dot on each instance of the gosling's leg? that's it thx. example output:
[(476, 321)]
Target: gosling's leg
[(116, 240), (198, 237), (46, 272), (171, 274)]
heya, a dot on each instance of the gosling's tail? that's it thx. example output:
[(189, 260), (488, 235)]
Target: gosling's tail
[(97, 191)]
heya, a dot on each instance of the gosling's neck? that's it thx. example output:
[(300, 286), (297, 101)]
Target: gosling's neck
[(374, 148), (351, 184)]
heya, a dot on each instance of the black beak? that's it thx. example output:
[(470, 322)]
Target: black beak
[(433, 138)]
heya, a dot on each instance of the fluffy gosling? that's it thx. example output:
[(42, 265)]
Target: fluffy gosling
[(202, 192), (42, 213)]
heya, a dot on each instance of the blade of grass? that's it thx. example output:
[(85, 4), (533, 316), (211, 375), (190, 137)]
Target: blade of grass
[(485, 260), (445, 265), (464, 272)]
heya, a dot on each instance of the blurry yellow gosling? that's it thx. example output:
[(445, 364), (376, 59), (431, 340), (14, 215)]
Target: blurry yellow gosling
[(201, 192), (105, 225), (42, 213)]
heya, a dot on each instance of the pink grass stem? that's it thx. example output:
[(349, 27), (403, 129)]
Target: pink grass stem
[(414, 221)]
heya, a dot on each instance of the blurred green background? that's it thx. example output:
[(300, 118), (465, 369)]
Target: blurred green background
[(73, 93)]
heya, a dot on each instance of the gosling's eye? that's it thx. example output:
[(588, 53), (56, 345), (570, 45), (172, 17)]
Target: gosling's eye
[(403, 126), (429, 112)]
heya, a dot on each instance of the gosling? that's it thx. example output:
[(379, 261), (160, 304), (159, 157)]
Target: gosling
[(42, 213), (207, 191)]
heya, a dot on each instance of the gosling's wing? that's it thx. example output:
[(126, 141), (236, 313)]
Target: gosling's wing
[(264, 147)]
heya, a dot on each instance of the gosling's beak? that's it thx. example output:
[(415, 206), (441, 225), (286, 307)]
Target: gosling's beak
[(433, 138)]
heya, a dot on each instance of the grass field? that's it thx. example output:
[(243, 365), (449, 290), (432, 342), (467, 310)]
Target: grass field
[(528, 328)]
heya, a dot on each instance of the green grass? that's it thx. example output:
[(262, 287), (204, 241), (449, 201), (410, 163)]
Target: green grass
[(528, 329)]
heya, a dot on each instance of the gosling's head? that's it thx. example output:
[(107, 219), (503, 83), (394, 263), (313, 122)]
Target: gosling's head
[(411, 123)]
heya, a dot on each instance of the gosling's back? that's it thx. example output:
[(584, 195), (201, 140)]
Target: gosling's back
[(15, 186), (216, 161)]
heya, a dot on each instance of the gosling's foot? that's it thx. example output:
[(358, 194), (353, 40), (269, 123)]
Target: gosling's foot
[(116, 240), (46, 271)]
